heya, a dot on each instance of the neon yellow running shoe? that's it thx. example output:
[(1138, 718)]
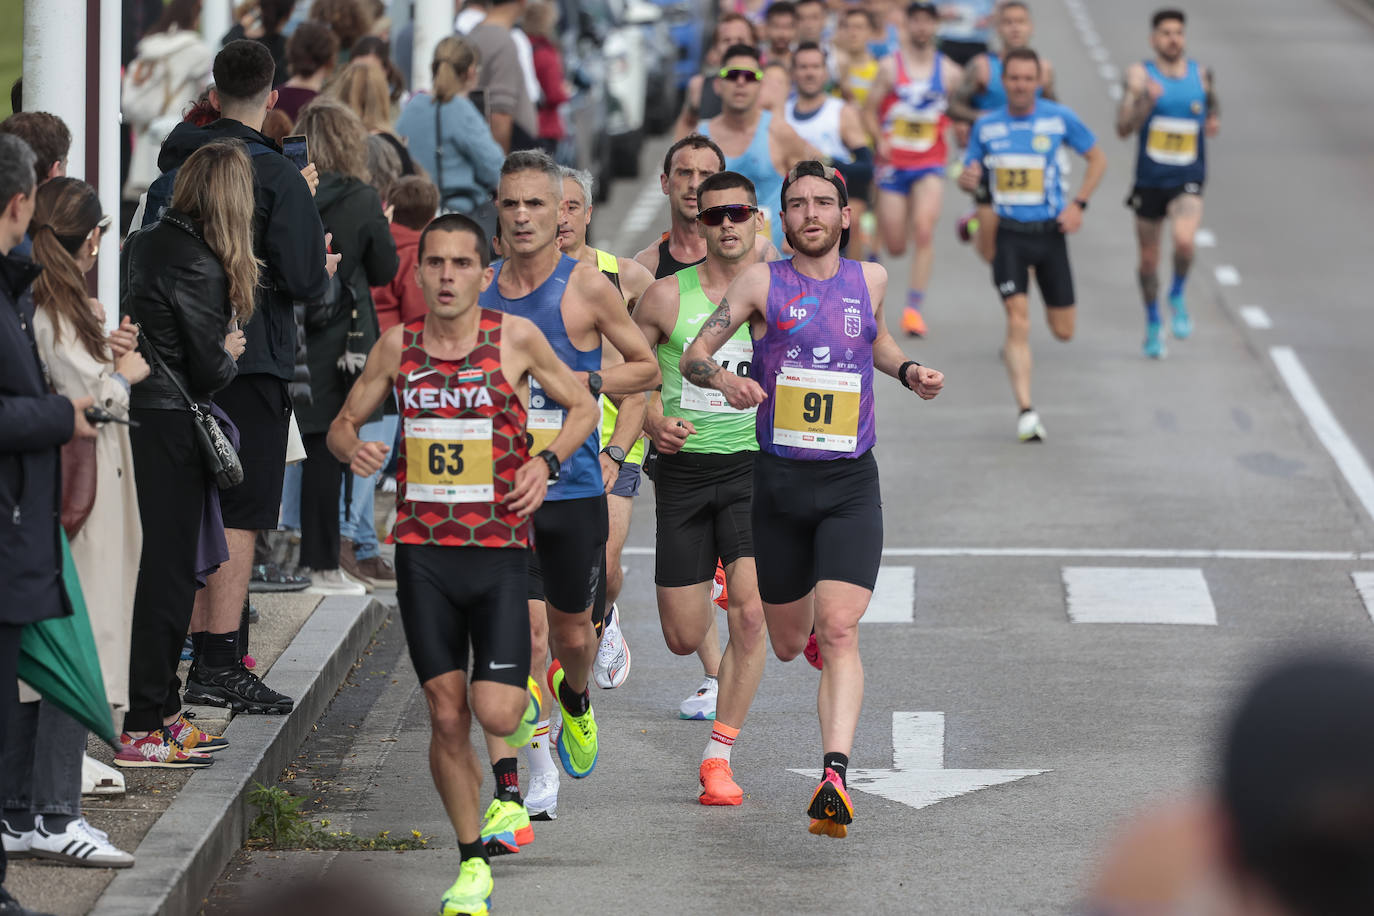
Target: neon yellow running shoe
[(470, 895), (533, 713), (577, 747), (506, 827)]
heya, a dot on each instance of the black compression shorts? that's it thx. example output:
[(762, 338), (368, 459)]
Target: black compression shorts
[(1153, 203), (452, 596), (1047, 252), (260, 407), (702, 505), (816, 520), (569, 552)]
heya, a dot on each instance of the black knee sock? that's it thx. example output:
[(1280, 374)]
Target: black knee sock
[(839, 763), (198, 647), (507, 780), (473, 850), (56, 823), (575, 703), (221, 649)]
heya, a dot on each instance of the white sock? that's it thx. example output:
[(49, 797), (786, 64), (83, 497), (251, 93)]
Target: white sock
[(722, 741), (537, 751)]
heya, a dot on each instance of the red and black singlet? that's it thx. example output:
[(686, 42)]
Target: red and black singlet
[(462, 440)]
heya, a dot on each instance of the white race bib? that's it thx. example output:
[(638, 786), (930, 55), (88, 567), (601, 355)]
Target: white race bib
[(1017, 179), (734, 356)]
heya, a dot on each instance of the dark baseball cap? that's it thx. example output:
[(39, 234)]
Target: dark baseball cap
[(814, 168), (918, 6)]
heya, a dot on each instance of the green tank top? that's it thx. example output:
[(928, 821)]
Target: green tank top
[(721, 429)]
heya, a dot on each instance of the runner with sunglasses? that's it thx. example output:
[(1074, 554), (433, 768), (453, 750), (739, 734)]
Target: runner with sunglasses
[(818, 333), (704, 478), (906, 112), (756, 144)]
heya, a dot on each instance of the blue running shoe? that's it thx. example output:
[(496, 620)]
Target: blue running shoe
[(1182, 324), (1154, 340)]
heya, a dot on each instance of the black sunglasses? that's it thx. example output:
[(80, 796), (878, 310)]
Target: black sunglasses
[(739, 73), (736, 213)]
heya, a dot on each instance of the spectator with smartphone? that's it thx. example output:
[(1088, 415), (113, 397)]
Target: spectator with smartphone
[(43, 758)]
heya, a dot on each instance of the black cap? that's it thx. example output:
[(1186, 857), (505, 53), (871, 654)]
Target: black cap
[(817, 169), (918, 6)]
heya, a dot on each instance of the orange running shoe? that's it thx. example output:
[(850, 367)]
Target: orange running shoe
[(913, 322), (718, 593), (830, 809), (718, 783)]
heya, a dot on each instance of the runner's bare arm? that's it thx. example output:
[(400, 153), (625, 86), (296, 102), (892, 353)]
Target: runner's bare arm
[(1209, 83), (888, 357), (794, 149), (1135, 101), (366, 395), (882, 85), (852, 133), (746, 297), (655, 315), (777, 85), (639, 371), (634, 280), (961, 100), (1047, 81), (765, 249), (691, 108), (648, 258)]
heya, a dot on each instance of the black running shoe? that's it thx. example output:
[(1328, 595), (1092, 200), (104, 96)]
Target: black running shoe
[(234, 687)]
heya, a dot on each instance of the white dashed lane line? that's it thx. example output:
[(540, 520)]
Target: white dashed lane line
[(1256, 317)]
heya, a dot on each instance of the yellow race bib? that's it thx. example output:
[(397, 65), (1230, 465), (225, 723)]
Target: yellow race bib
[(1018, 179), (542, 426), (915, 131), (448, 460), (817, 409), (1172, 141)]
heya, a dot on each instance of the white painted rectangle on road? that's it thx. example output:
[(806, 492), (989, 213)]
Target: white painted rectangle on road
[(1256, 317), (1228, 275), (894, 596), (1364, 584), (1105, 594), (1325, 425), (1205, 238)]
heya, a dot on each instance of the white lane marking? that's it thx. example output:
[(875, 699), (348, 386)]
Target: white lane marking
[(1256, 317), (1103, 553), (1364, 584), (1326, 426), (1100, 54), (894, 596), (1115, 92), (918, 777), (645, 207), (1102, 594), (1205, 238), (1109, 73), (1227, 275)]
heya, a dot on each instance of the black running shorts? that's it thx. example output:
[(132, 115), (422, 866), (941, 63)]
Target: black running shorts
[(961, 52), (816, 520), (452, 596), (1153, 203), (702, 505), (260, 407), (1046, 252), (569, 552)]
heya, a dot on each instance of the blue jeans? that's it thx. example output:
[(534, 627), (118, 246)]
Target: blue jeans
[(357, 521), (42, 760), (291, 498)]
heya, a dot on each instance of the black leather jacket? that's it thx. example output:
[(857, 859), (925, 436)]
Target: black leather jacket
[(177, 293)]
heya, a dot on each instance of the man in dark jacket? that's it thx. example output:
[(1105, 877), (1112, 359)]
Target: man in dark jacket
[(288, 238), (33, 425)]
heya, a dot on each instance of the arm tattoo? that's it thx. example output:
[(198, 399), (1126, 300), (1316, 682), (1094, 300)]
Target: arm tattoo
[(720, 318), (700, 371)]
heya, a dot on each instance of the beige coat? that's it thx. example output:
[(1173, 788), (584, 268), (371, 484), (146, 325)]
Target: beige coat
[(106, 550)]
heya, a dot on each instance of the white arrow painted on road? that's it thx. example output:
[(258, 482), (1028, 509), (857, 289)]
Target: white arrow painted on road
[(918, 777)]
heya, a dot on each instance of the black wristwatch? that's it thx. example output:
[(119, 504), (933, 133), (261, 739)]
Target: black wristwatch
[(901, 373), (616, 453), (594, 383), (1082, 204), (552, 461)]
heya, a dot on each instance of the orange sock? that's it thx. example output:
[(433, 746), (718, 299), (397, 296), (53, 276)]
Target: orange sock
[(722, 740)]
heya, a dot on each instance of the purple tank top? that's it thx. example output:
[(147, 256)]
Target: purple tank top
[(816, 363)]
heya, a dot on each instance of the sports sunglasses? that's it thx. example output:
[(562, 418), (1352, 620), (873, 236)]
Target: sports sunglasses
[(736, 213)]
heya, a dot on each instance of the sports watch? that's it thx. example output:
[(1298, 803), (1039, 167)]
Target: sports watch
[(552, 461), (616, 453), (594, 383)]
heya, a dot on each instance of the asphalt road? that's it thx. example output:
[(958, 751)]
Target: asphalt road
[(1201, 476)]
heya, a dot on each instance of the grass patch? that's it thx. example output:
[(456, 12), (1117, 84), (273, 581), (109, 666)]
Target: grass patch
[(11, 49), (281, 824)]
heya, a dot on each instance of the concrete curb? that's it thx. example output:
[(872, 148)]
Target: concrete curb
[(183, 855)]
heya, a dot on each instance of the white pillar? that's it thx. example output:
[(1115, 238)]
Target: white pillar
[(55, 68), (107, 277), (216, 18), (433, 22)]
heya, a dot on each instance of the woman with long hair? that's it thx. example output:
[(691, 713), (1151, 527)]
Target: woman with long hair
[(43, 756), (376, 50), (189, 284), (362, 87), (311, 53), (339, 335), (450, 137)]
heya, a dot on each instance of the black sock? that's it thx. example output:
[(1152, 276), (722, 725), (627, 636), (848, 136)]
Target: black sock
[(507, 780), (19, 820), (221, 649), (839, 763), (473, 850), (198, 647), (1026, 410), (56, 823), (575, 703)]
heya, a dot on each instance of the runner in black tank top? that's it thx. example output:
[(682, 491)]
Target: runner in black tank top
[(667, 264)]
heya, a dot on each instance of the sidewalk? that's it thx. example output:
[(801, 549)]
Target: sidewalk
[(304, 647)]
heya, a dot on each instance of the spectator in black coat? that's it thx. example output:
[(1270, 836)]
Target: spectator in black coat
[(33, 425)]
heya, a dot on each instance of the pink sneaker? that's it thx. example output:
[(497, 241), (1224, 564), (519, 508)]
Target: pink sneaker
[(157, 749)]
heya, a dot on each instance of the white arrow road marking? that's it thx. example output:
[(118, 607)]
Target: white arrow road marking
[(894, 596), (1364, 583), (918, 777), (1134, 594)]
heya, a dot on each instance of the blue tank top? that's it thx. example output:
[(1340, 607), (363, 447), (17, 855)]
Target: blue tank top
[(815, 362), (580, 475), (1172, 148), (756, 164)]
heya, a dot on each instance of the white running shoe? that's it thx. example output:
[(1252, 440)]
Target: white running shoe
[(541, 801), (612, 663), (80, 844), (1029, 428), (334, 582), (702, 704)]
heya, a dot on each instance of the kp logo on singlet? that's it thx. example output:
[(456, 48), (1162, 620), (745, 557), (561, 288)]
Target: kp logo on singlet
[(853, 321), (797, 313)]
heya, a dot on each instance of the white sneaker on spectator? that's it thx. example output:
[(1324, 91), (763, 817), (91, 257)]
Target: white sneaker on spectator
[(18, 843), (333, 582), (78, 844)]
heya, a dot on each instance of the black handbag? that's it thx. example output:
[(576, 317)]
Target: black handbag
[(216, 451)]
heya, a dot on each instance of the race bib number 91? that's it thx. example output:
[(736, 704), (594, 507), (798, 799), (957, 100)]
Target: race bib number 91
[(817, 409), (448, 461)]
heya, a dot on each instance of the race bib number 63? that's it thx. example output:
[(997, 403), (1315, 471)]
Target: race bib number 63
[(448, 461)]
